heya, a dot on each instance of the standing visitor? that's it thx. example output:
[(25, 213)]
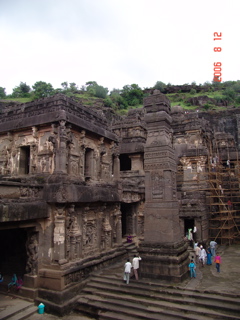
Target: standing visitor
[(190, 237), (218, 261), (209, 256), (203, 255), (135, 264), (127, 271), (192, 268), (213, 245), (197, 253)]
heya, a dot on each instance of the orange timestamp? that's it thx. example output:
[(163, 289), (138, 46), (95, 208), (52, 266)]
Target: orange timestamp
[(217, 75)]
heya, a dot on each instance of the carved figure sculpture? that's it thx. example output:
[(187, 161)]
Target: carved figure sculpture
[(32, 253)]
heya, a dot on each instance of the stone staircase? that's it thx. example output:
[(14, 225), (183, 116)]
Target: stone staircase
[(108, 298), (12, 308)]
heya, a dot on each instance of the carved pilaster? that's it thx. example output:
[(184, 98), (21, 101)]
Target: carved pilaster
[(161, 222), (73, 235), (59, 235), (32, 254)]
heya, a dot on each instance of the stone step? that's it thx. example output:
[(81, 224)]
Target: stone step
[(24, 314), (143, 288), (21, 310), (105, 295), (186, 305), (121, 309)]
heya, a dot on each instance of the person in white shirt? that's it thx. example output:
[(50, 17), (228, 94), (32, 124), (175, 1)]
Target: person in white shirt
[(213, 245), (203, 256), (135, 264), (127, 271), (197, 253)]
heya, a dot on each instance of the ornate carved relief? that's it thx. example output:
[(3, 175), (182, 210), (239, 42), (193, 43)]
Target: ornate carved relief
[(73, 235), (90, 244), (129, 197), (140, 220), (59, 226), (29, 192), (157, 185), (32, 254), (106, 234)]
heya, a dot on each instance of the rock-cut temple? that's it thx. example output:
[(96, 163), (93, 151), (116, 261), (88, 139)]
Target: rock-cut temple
[(75, 184)]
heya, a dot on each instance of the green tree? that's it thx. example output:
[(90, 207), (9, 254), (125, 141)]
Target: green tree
[(159, 85), (193, 91), (132, 94), (118, 100), (2, 93), (95, 90), (69, 86), (229, 94), (43, 89), (22, 91), (73, 86), (64, 85)]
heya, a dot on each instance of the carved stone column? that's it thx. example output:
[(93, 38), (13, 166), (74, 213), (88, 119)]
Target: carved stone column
[(61, 140), (59, 236), (164, 252), (116, 162), (137, 162), (118, 225), (74, 234)]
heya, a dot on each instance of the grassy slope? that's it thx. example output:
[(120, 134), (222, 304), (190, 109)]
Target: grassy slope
[(179, 98)]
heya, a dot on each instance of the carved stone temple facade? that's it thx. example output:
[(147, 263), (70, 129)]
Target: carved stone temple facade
[(74, 185)]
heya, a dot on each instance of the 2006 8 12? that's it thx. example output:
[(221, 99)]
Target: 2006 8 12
[(217, 75)]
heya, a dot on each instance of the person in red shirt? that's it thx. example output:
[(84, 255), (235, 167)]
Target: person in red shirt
[(218, 261)]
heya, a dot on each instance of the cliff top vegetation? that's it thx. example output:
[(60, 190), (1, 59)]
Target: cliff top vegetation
[(207, 96)]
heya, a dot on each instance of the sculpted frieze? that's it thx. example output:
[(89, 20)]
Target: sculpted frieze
[(161, 166), (77, 276), (129, 197), (29, 192), (159, 154)]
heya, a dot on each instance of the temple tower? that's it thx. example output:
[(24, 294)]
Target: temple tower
[(164, 252)]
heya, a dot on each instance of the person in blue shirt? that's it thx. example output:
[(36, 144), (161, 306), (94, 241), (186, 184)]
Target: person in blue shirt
[(13, 281), (192, 268)]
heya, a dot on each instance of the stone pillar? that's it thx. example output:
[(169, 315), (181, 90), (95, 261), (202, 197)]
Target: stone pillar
[(59, 236), (137, 162), (115, 159), (116, 168), (163, 251), (61, 152), (118, 224)]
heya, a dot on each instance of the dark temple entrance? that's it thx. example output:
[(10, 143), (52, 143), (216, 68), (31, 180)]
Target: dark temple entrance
[(13, 252), (127, 219)]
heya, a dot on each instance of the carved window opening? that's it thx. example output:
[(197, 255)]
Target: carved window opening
[(24, 163), (88, 169), (125, 162)]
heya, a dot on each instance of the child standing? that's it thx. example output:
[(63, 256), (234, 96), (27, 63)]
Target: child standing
[(192, 268), (218, 261)]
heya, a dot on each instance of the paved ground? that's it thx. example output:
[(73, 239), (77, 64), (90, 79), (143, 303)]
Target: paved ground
[(208, 279)]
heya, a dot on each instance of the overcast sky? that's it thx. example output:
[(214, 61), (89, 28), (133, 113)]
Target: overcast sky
[(117, 42)]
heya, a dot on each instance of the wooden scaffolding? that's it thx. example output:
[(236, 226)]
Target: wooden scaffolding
[(224, 195)]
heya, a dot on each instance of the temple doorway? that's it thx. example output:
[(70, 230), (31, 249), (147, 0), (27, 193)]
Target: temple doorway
[(24, 162), (188, 224), (13, 252), (128, 221)]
